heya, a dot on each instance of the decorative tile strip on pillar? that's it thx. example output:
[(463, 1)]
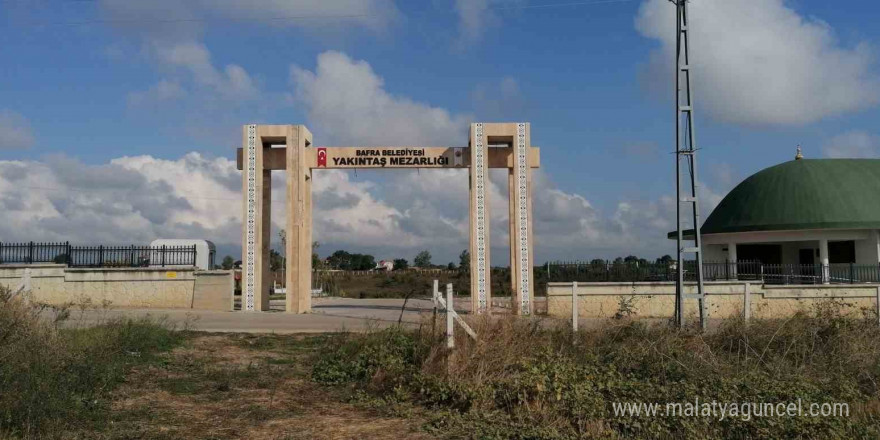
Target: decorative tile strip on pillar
[(479, 169), (522, 193), (250, 251)]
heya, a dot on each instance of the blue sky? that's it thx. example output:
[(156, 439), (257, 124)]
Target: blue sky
[(121, 90)]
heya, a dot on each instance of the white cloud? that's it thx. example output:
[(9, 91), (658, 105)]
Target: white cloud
[(392, 214), (473, 16), (760, 62), (853, 144), (128, 200), (15, 131), (232, 81), (164, 90), (347, 102)]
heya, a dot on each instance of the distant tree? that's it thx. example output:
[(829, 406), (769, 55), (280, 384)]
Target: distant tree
[(340, 260), (423, 259), (666, 259), (316, 260), (228, 263), (276, 261), (401, 264), (597, 262), (631, 259), (464, 260), (450, 266), (618, 261), (362, 262)]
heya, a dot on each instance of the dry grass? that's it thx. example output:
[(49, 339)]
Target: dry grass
[(524, 380), (244, 386)]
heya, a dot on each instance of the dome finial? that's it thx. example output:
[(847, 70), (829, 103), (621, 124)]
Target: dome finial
[(799, 155)]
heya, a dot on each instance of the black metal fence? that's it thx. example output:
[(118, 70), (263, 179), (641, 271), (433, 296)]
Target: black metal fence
[(97, 256), (846, 273)]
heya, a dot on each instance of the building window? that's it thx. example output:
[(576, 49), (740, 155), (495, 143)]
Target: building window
[(841, 252)]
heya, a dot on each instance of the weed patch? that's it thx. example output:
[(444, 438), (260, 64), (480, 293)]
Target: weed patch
[(55, 380), (522, 380)]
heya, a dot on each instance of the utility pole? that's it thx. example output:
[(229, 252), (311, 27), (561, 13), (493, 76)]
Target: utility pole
[(686, 151)]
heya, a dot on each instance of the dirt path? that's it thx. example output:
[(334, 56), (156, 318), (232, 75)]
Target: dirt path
[(244, 386)]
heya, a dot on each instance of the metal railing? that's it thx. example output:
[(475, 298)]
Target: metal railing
[(838, 273), (97, 256)]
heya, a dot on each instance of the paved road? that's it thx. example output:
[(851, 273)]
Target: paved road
[(329, 315)]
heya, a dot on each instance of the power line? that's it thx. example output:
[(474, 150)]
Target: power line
[(294, 17)]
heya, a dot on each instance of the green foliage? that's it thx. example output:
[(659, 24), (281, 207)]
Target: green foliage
[(347, 261), (380, 360), (54, 380), (400, 264), (276, 260), (422, 259), (464, 260), (228, 263), (540, 382)]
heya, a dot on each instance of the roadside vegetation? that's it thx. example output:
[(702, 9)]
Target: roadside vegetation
[(522, 379), (55, 382), (526, 381)]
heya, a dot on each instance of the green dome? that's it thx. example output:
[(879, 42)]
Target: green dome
[(802, 194)]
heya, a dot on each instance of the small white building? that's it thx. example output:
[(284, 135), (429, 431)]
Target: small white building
[(174, 254), (386, 265), (822, 213)]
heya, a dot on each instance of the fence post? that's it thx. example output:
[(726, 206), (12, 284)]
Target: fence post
[(131, 256), (435, 294), (69, 257), (194, 256), (163, 256), (574, 306), (450, 339), (101, 256), (878, 304), (747, 302), (852, 277), (31, 253)]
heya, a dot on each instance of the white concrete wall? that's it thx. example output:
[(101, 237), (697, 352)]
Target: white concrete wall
[(714, 253), (724, 299), (867, 250), (144, 287)]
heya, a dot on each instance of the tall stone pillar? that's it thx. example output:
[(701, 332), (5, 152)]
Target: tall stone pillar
[(481, 295), (521, 199), (511, 225), (823, 260), (256, 233), (299, 221)]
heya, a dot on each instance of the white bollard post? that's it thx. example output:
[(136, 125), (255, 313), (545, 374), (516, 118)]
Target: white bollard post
[(574, 306), (747, 302), (450, 339)]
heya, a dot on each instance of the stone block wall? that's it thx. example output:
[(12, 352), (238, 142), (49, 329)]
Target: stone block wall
[(724, 299), (139, 287)]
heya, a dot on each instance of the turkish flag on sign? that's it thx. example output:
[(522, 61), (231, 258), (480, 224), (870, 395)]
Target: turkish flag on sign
[(322, 157)]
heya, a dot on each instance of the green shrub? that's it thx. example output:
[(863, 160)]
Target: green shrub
[(55, 380), (524, 380)]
